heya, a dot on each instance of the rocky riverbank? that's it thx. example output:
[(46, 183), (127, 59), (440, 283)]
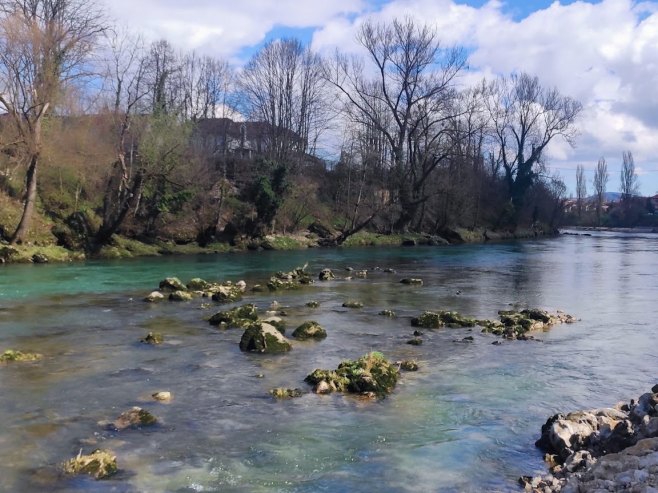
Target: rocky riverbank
[(601, 450)]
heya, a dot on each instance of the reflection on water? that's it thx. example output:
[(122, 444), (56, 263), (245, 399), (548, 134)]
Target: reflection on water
[(466, 421)]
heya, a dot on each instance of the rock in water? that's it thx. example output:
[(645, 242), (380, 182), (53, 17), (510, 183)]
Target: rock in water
[(11, 355), (352, 304), (371, 373), (309, 330), (134, 418), (153, 338), (326, 275), (172, 284), (154, 297), (261, 337), (162, 396), (99, 464), (283, 393), (240, 316), (180, 296), (412, 281)]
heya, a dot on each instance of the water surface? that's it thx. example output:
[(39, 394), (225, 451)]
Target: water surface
[(467, 421)]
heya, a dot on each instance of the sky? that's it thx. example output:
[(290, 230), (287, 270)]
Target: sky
[(603, 53)]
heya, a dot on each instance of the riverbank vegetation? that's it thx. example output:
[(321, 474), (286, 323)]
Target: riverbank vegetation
[(114, 147)]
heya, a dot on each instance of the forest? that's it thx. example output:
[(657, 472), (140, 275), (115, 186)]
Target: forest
[(106, 136)]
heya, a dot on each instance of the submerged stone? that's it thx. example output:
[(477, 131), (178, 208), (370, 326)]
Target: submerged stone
[(412, 281), (371, 373), (352, 304), (11, 355), (162, 396), (283, 393), (134, 418), (99, 464), (153, 338), (309, 330), (415, 341), (408, 365), (388, 313), (313, 304), (261, 337), (435, 320)]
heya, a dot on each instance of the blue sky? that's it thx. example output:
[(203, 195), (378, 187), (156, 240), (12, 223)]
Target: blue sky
[(603, 53)]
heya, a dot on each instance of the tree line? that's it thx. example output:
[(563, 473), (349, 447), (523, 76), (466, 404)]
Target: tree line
[(109, 134)]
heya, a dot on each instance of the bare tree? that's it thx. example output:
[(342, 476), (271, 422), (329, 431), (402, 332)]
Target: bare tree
[(408, 99), (526, 117), (581, 189), (44, 45), (600, 183), (283, 86), (628, 179)]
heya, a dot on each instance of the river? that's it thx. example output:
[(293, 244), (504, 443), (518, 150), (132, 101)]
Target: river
[(466, 421)]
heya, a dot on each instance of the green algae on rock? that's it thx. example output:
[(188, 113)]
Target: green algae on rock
[(294, 279), (370, 374), (412, 281), (284, 393), (100, 464), (313, 304), (435, 320), (388, 313), (516, 324), (326, 275), (309, 330), (240, 316), (408, 365), (153, 338), (134, 418), (180, 296), (172, 284), (11, 355), (261, 337)]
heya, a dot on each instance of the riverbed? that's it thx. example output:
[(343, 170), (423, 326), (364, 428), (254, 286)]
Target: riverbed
[(466, 421)]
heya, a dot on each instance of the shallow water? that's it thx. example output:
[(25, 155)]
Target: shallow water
[(467, 421)]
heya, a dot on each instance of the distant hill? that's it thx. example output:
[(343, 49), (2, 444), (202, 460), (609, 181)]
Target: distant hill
[(607, 197)]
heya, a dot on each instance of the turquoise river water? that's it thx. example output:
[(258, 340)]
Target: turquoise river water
[(467, 421)]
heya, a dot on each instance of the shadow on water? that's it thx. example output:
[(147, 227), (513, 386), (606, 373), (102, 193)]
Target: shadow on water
[(466, 421)]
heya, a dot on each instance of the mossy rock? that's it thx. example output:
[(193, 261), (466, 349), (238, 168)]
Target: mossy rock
[(277, 322), (435, 320), (100, 464), (240, 316), (11, 355), (428, 320), (261, 337), (370, 374), (226, 293), (180, 296), (412, 281), (388, 313), (415, 342), (134, 418), (352, 304), (39, 258), (153, 338), (309, 330), (294, 279), (516, 324), (408, 365), (284, 393), (326, 275), (198, 284), (313, 304), (172, 284)]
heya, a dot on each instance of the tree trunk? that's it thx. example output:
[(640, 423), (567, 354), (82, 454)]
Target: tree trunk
[(30, 200)]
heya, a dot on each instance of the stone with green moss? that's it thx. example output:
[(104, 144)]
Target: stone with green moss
[(284, 393), (370, 374), (415, 342), (154, 297), (294, 279), (198, 284), (326, 275), (172, 284), (11, 355), (240, 316), (408, 365), (455, 319), (100, 464), (352, 304), (435, 320), (428, 320), (388, 313), (153, 338), (313, 304), (134, 418), (309, 330), (277, 322), (261, 337), (226, 293), (412, 281), (180, 296), (516, 324)]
